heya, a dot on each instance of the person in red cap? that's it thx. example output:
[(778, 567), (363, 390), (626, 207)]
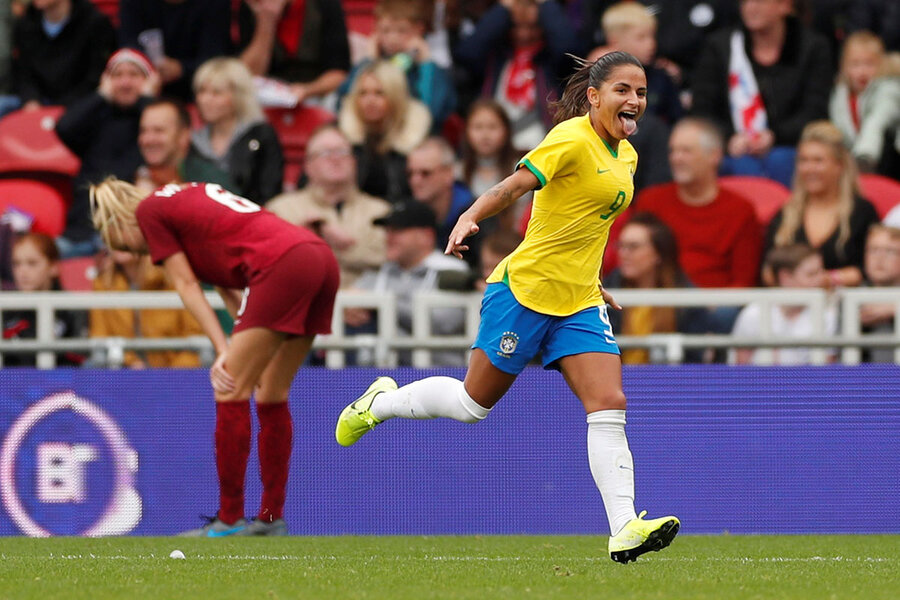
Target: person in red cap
[(102, 130)]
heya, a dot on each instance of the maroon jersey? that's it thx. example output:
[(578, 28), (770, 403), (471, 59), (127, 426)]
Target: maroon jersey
[(227, 240)]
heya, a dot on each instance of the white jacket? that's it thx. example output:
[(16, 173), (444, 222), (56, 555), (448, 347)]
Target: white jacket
[(879, 112)]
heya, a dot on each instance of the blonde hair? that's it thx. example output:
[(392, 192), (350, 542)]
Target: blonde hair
[(396, 90), (113, 206), (825, 133), (861, 39), (233, 75), (624, 15)]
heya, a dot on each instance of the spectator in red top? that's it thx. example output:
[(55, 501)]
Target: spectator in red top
[(289, 277), (718, 236)]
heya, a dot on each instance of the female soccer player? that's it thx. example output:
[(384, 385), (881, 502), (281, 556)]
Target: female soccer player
[(546, 297), (200, 232)]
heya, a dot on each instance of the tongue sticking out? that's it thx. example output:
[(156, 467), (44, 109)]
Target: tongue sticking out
[(628, 124)]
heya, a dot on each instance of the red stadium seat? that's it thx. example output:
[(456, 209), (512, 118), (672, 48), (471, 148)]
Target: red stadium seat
[(766, 196), (881, 191), (77, 274), (28, 144), (294, 126), (44, 203)]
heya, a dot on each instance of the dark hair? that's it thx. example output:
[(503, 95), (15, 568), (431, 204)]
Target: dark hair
[(181, 111), (789, 257), (669, 273), (574, 102), (508, 156)]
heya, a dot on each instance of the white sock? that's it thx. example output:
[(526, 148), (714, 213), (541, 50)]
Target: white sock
[(428, 399), (612, 465)]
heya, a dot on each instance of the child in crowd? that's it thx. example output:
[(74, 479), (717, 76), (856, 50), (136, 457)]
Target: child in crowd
[(35, 267), (791, 266), (631, 27), (882, 269), (399, 37), (496, 246), (865, 103)]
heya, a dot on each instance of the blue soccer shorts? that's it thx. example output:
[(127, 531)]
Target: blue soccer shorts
[(511, 335)]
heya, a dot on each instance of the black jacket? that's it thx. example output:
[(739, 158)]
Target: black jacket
[(795, 89), (62, 69), (193, 32), (104, 137)]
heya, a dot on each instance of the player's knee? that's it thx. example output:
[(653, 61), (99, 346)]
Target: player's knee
[(611, 400)]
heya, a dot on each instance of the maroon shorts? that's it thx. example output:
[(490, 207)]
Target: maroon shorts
[(295, 295)]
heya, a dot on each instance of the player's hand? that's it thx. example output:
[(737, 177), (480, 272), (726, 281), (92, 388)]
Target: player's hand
[(222, 381), (464, 227), (608, 298)]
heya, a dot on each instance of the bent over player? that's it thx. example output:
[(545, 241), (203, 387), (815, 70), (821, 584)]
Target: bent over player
[(546, 296), (289, 277)]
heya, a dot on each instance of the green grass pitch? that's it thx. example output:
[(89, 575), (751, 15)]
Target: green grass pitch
[(398, 568)]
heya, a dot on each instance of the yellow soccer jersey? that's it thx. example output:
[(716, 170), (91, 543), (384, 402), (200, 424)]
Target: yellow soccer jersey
[(584, 186)]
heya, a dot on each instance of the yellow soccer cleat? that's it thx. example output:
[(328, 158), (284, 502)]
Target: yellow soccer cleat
[(356, 420), (640, 536)]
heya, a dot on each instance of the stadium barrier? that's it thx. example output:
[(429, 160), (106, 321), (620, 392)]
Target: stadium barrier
[(383, 346), (727, 449)]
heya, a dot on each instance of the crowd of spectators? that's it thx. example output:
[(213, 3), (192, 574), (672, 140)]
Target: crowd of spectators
[(437, 101)]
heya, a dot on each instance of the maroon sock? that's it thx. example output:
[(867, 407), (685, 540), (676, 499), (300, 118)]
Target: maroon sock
[(232, 450), (275, 433)]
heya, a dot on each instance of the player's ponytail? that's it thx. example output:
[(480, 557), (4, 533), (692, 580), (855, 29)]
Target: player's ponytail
[(574, 102), (113, 204)]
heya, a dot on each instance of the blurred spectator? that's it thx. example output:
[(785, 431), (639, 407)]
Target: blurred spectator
[(683, 28), (124, 271), (102, 130), (413, 264), (488, 157), (6, 22), (497, 245), (333, 207), (518, 51), (792, 266), (384, 124), (880, 16), (35, 265), (177, 35), (825, 209), (169, 157), (882, 269), (761, 84), (236, 135), (694, 205), (302, 42), (60, 48), (399, 38), (865, 103), (631, 27), (648, 259), (459, 22), (433, 183)]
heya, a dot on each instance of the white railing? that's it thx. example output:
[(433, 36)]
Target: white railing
[(384, 345)]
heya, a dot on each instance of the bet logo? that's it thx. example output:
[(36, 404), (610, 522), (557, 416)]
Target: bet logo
[(66, 468)]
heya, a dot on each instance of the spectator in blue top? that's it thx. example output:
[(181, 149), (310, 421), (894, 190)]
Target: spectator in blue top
[(60, 49), (430, 167)]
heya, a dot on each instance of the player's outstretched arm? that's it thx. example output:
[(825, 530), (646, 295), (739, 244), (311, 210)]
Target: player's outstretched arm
[(182, 277), (488, 204)]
